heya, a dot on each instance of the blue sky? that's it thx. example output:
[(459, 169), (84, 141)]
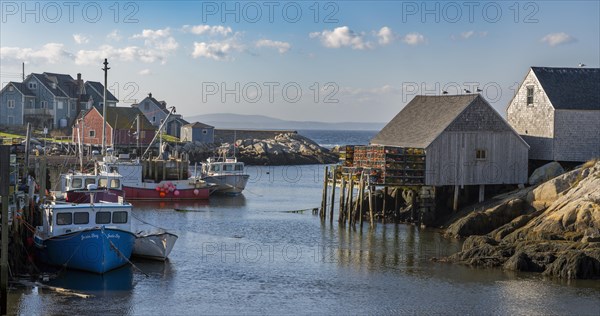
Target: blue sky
[(298, 60)]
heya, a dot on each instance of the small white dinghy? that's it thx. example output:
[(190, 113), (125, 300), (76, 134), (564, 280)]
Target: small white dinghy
[(155, 245)]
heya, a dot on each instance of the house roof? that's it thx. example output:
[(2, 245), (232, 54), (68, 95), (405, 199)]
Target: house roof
[(99, 89), (66, 83), (198, 125), (124, 118), (422, 120), (22, 88), (44, 80), (570, 88)]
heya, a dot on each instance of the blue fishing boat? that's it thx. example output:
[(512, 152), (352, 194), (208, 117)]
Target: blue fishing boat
[(94, 237)]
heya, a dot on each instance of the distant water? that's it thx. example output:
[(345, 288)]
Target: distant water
[(257, 254), (331, 138)]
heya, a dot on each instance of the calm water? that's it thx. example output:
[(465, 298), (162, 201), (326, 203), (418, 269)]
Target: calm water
[(332, 138), (250, 255)]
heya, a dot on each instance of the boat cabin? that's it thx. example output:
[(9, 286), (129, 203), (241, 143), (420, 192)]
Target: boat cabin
[(62, 219), (79, 181), (222, 167)]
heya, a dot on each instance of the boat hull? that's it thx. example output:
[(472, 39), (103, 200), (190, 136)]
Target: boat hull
[(230, 184), (149, 192), (97, 250), (154, 246)]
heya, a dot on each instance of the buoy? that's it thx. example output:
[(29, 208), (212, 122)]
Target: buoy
[(157, 189), (196, 191), (171, 189), (162, 194), (176, 192)]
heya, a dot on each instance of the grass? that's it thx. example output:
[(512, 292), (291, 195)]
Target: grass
[(169, 138)]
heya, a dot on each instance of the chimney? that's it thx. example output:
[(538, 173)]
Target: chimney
[(150, 95)]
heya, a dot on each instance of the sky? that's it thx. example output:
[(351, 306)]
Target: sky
[(333, 61)]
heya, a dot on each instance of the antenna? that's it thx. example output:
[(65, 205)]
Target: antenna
[(104, 107)]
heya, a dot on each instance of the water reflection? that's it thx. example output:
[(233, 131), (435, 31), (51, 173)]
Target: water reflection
[(114, 282)]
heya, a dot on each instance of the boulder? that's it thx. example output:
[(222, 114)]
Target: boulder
[(546, 172)]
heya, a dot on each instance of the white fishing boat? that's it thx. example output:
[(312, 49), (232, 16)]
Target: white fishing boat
[(226, 173), (154, 245)]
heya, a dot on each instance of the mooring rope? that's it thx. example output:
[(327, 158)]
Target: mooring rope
[(112, 246)]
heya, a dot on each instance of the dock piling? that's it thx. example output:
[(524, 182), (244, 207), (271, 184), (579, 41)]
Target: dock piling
[(333, 184)]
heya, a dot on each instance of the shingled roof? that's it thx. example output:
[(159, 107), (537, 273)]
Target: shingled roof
[(570, 88), (98, 88), (198, 125), (422, 120), (22, 88), (124, 118)]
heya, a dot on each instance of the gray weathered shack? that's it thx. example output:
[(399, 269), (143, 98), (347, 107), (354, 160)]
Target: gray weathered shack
[(557, 112), (466, 142)]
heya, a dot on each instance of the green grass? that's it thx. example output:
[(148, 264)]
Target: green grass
[(169, 138)]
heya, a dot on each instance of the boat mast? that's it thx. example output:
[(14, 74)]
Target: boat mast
[(160, 128), (104, 107)]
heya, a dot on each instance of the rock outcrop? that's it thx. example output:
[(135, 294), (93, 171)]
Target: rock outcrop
[(553, 229), (283, 149)]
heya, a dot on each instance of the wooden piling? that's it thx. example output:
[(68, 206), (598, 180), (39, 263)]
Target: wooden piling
[(361, 197), (385, 192), (350, 197), (333, 180), (371, 219), (455, 204), (4, 185), (324, 197), (342, 199), (481, 192)]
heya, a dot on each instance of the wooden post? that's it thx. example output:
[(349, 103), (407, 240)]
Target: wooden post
[(342, 199), (371, 219), (361, 197), (356, 205), (481, 192), (350, 197), (324, 197), (332, 196), (4, 184), (455, 204), (27, 150), (385, 192)]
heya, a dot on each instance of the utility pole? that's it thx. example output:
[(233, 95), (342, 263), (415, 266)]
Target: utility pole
[(137, 135), (104, 107)]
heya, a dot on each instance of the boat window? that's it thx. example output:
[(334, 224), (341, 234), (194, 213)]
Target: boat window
[(119, 217), (115, 183), (103, 218), (77, 183), (114, 169), (239, 167), (215, 168), (228, 167), (81, 218), (64, 219), (102, 182), (89, 181)]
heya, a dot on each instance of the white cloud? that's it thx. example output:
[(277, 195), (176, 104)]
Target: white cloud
[(81, 39), (385, 35), (468, 35), (153, 34), (414, 39), (554, 39), (115, 35), (341, 36), (50, 53), (207, 29), (215, 50), (282, 47), (145, 72), (158, 45)]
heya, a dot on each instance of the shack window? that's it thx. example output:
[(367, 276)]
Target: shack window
[(529, 95), (481, 154), (64, 219), (119, 217), (93, 134), (77, 183), (81, 218), (103, 218), (204, 131)]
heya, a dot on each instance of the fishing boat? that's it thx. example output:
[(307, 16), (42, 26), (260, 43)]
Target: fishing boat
[(74, 183), (94, 237), (226, 172), (156, 179), (154, 245)]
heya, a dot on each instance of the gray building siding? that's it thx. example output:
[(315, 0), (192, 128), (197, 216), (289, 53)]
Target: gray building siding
[(577, 135), (451, 159), (535, 122), (202, 135), (13, 115), (151, 111)]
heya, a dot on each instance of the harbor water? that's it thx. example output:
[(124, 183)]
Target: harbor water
[(264, 252)]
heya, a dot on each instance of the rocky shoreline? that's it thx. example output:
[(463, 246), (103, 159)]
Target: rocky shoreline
[(282, 149), (552, 228)]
